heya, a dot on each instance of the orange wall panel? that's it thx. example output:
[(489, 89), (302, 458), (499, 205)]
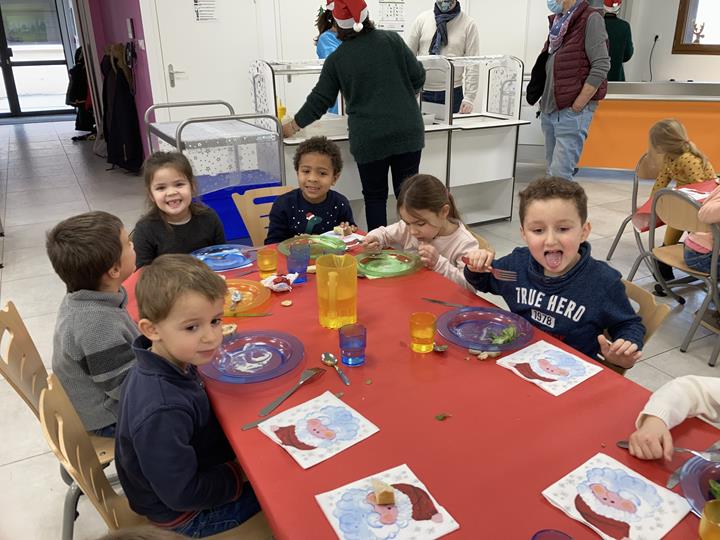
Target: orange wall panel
[(618, 133)]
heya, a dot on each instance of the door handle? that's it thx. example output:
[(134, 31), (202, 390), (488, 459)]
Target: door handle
[(171, 74)]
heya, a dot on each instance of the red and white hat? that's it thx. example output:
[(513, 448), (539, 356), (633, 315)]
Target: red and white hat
[(612, 6), (349, 14)]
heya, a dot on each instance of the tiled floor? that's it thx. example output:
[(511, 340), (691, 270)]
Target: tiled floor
[(45, 177)]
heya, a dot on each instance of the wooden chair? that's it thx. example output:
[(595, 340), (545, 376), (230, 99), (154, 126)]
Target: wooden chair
[(679, 211), (651, 313), (71, 444), (254, 214), (22, 367)]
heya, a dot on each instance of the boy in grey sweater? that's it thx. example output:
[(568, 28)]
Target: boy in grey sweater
[(92, 350)]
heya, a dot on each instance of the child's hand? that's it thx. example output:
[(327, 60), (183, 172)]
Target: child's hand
[(619, 352), (652, 440), (370, 244), (479, 260), (428, 255)]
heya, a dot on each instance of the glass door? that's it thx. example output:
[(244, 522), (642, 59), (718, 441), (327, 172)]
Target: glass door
[(33, 59)]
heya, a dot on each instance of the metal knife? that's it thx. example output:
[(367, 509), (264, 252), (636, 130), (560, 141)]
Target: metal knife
[(674, 479), (443, 303)]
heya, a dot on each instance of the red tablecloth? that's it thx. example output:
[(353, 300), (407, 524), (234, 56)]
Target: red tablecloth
[(505, 441), (641, 219)]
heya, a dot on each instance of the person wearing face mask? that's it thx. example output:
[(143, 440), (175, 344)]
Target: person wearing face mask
[(569, 78), (448, 31)]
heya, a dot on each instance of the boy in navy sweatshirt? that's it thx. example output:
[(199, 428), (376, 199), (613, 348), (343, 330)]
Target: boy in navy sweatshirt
[(560, 288), (173, 459)]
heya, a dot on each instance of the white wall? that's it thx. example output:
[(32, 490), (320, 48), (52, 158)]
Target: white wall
[(651, 17)]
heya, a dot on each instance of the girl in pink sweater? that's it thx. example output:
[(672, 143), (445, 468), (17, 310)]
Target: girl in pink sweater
[(698, 246), (429, 223)]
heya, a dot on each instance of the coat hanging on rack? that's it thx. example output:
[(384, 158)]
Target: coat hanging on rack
[(122, 131)]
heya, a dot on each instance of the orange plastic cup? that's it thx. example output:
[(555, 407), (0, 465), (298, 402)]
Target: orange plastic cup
[(422, 331), (267, 261)]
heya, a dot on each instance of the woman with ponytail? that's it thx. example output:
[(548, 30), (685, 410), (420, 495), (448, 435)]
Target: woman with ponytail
[(683, 162)]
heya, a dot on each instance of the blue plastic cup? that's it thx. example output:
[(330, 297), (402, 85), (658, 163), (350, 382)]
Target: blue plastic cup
[(353, 338), (298, 259)]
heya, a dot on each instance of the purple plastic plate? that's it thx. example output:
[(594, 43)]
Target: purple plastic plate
[(226, 256), (474, 328), (695, 479), (254, 356)]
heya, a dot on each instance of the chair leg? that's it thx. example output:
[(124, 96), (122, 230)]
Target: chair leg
[(696, 322), (715, 352), (70, 512), (635, 266), (620, 232), (664, 284), (66, 477)]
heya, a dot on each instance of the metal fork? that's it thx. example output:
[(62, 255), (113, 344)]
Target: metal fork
[(500, 275)]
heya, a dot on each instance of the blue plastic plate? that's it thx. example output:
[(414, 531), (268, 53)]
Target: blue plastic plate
[(225, 256), (474, 328), (254, 356), (695, 479)]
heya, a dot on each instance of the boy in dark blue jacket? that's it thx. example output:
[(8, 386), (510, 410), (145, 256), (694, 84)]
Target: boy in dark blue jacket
[(560, 288), (173, 459)]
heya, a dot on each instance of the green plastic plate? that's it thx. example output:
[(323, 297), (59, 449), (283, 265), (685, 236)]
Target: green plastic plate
[(319, 245), (387, 263)]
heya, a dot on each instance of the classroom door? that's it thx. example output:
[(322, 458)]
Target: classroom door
[(206, 50)]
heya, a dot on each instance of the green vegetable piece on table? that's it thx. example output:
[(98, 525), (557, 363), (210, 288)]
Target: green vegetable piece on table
[(442, 417), (505, 336), (369, 381)]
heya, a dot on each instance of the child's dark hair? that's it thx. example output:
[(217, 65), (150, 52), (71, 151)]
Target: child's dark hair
[(346, 34), (167, 278), (83, 248), (553, 187), (324, 22), (177, 161), (425, 192), (319, 145)]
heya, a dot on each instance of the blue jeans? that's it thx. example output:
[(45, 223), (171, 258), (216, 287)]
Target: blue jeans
[(565, 133), (698, 261), (221, 518), (439, 97), (107, 431)]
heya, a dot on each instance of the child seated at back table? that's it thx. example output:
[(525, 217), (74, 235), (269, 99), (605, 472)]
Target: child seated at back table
[(429, 223), (313, 208), (682, 162), (173, 459), (175, 223), (672, 403), (560, 288), (92, 345)]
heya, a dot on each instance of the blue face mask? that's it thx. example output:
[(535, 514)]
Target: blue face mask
[(555, 6), (445, 5)]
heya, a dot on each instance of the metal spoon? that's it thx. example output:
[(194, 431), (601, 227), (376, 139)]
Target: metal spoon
[(329, 359), (713, 456)]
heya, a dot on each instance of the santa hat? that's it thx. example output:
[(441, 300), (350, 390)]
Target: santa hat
[(330, 5), (612, 6), (349, 14)]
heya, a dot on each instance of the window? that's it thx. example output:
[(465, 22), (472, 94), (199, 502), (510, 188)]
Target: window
[(698, 27)]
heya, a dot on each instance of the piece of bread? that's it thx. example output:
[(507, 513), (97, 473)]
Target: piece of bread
[(228, 329), (384, 493), (339, 229)]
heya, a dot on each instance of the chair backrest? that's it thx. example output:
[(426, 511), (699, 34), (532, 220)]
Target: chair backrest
[(645, 169), (20, 362), (651, 313), (482, 243), (256, 215), (71, 444), (678, 210)]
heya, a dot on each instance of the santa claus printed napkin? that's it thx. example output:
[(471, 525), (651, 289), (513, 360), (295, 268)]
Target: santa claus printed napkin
[(317, 429), (616, 502), (552, 369), (353, 513)]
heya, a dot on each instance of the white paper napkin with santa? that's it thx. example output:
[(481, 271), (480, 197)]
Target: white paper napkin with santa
[(554, 370), (353, 512), (616, 502), (317, 429)]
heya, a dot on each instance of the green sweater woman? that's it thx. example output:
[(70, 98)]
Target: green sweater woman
[(379, 78)]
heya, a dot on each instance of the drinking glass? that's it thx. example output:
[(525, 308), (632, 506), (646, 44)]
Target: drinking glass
[(422, 331), (710, 521), (336, 281), (298, 259), (353, 338), (267, 261)]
